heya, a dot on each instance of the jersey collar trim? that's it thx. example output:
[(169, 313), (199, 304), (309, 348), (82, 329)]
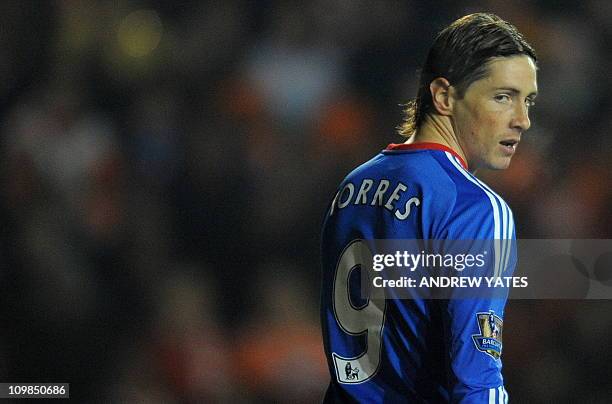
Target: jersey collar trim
[(426, 146)]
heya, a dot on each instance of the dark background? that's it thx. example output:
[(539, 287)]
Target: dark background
[(166, 167)]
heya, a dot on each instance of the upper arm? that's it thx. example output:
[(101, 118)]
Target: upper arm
[(474, 326)]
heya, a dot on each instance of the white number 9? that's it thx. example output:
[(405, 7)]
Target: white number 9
[(367, 320)]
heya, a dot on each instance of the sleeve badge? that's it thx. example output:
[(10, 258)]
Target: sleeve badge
[(489, 340)]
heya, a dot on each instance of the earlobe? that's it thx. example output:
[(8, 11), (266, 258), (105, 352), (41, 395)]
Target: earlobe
[(441, 96)]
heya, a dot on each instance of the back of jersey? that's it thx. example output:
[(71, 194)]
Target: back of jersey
[(392, 350)]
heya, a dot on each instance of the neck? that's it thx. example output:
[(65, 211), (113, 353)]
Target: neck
[(438, 129)]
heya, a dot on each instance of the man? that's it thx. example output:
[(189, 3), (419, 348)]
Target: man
[(476, 87)]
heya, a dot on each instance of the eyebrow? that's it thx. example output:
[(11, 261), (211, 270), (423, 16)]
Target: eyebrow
[(516, 91)]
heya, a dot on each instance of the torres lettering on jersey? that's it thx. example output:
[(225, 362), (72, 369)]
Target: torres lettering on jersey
[(370, 193)]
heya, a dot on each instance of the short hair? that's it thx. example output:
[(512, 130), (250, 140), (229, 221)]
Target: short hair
[(460, 53)]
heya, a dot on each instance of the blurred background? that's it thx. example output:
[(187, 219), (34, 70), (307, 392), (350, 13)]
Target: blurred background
[(166, 167)]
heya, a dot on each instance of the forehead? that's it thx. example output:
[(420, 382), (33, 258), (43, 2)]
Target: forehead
[(517, 72)]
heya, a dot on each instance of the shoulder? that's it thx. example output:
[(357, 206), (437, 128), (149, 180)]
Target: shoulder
[(409, 185), (419, 170), (479, 212)]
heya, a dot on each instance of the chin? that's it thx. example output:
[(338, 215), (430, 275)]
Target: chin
[(498, 164), (501, 166)]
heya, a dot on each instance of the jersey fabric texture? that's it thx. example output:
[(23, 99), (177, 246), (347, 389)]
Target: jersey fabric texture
[(413, 351)]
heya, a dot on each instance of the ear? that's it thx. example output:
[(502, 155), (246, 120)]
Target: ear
[(442, 96)]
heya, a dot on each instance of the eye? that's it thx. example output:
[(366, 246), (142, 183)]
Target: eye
[(503, 98), (530, 102)]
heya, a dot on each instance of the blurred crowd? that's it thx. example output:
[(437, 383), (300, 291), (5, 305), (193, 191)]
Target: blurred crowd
[(166, 167)]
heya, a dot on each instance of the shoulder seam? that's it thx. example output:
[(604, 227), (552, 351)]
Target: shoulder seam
[(503, 221), (454, 202)]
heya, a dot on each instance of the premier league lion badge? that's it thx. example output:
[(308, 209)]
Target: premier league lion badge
[(489, 340)]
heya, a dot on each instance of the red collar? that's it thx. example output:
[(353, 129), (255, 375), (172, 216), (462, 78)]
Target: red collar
[(426, 146)]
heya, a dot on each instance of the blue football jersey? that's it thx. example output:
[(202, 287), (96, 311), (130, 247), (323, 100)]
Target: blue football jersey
[(412, 350)]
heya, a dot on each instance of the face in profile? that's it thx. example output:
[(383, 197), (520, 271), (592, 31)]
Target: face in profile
[(494, 112)]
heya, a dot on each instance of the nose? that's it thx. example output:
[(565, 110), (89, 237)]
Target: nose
[(521, 117)]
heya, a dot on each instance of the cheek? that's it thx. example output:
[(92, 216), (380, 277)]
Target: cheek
[(471, 124), (480, 127), (489, 126)]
